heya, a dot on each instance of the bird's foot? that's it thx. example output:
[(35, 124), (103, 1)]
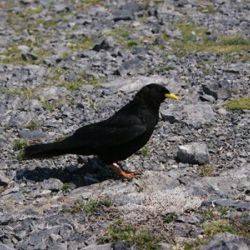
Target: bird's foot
[(124, 173)]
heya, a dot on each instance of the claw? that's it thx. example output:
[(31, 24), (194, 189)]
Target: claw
[(124, 173)]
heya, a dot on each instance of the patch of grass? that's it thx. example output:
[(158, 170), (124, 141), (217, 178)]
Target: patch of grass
[(169, 217), (90, 207), (23, 92), (122, 35), (144, 151), (49, 105), (66, 187), (236, 104), (219, 226), (74, 85), (19, 146), (33, 125), (195, 39), (12, 54), (206, 170), (141, 238)]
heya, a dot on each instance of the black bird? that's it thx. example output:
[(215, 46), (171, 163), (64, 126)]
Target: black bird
[(116, 138)]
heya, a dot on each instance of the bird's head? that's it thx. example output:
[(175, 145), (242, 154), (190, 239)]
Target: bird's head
[(155, 94)]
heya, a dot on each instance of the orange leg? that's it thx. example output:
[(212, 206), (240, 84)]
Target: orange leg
[(123, 173)]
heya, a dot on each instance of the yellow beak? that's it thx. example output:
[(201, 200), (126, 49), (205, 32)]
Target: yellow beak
[(171, 96)]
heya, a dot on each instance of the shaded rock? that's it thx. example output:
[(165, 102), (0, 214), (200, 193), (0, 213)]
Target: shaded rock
[(105, 44), (4, 180), (121, 246), (5, 219), (193, 153), (29, 56), (217, 91), (52, 184), (5, 247), (239, 205), (227, 241)]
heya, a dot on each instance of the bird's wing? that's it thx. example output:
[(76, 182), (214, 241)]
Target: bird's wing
[(107, 133)]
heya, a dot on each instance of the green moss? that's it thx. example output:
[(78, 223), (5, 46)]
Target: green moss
[(141, 238), (241, 103), (195, 39)]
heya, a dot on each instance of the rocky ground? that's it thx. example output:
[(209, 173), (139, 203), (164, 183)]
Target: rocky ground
[(67, 63)]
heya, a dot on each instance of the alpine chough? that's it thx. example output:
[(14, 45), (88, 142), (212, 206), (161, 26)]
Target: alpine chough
[(116, 138)]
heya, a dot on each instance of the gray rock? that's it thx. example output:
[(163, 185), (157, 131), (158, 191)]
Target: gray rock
[(53, 93), (193, 153), (227, 242), (198, 114), (5, 219), (20, 119), (52, 184)]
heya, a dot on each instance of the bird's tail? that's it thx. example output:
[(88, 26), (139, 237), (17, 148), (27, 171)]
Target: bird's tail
[(45, 150)]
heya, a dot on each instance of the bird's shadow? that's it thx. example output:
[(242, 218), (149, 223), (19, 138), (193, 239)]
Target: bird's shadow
[(90, 172)]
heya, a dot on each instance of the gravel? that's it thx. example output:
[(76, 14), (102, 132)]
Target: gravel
[(65, 64)]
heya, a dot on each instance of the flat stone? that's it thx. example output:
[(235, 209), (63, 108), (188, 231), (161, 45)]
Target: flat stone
[(32, 134), (5, 247), (52, 184), (193, 153), (239, 205)]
